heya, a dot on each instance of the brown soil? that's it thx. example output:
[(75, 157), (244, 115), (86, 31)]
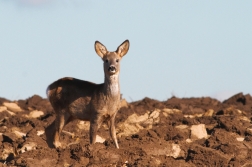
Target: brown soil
[(150, 133)]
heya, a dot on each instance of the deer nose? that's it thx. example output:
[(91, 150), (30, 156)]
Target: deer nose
[(112, 69)]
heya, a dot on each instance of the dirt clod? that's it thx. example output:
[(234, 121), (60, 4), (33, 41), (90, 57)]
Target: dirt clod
[(150, 133)]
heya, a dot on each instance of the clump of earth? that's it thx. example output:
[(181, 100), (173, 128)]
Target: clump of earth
[(176, 132)]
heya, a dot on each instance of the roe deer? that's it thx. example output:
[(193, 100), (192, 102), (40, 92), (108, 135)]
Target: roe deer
[(73, 98)]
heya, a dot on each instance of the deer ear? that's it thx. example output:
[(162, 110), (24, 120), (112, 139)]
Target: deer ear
[(123, 48), (100, 49)]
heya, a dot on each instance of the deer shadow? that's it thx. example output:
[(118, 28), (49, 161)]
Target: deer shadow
[(49, 133)]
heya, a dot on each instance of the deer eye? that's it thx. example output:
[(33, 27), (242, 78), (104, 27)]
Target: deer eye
[(106, 60), (117, 60)]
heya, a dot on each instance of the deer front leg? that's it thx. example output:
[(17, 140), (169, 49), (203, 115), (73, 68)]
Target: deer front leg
[(95, 124), (112, 130)]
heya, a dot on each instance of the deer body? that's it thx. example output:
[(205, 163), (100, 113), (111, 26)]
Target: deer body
[(77, 99)]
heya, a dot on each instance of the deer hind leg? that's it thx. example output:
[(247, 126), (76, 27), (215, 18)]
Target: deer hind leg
[(94, 126), (112, 130), (60, 121)]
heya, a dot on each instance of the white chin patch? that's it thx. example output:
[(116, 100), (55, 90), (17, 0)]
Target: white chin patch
[(112, 72)]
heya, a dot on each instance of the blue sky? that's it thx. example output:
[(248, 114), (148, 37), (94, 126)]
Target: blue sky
[(182, 48)]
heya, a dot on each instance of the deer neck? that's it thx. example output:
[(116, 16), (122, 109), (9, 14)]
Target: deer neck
[(111, 85)]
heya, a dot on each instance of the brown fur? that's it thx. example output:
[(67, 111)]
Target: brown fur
[(76, 99)]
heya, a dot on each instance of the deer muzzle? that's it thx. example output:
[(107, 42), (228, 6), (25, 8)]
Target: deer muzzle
[(112, 69)]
